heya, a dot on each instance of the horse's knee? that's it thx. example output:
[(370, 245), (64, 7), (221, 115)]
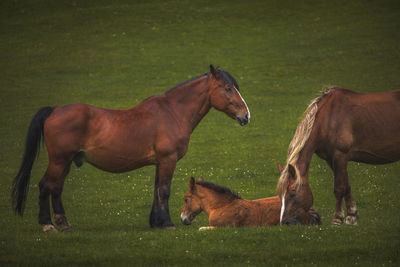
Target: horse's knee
[(347, 192), (339, 191), (164, 192)]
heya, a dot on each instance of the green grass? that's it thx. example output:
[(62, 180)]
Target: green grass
[(116, 53)]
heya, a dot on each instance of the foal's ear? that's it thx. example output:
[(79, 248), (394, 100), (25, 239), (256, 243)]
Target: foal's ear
[(280, 167), (214, 72), (292, 172), (200, 179), (192, 183)]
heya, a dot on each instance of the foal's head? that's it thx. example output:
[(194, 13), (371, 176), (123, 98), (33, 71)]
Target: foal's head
[(295, 194), (225, 96), (204, 195), (192, 206)]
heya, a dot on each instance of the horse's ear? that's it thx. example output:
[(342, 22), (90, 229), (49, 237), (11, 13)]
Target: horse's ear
[(214, 72), (280, 167), (192, 183), (201, 179), (292, 172)]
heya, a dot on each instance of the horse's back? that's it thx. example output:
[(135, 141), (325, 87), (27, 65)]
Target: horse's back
[(366, 127)]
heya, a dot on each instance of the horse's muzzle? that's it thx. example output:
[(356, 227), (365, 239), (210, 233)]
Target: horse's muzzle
[(290, 222), (185, 219), (243, 120)]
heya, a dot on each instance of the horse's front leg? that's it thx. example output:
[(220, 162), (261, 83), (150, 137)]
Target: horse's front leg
[(159, 216), (343, 191)]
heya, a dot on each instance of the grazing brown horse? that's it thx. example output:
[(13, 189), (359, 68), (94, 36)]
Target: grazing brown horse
[(226, 208), (339, 126), (155, 132)]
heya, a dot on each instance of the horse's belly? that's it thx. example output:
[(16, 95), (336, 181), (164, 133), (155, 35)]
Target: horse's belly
[(374, 157), (118, 162)]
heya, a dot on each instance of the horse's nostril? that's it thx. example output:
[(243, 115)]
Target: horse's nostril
[(186, 221), (242, 120)]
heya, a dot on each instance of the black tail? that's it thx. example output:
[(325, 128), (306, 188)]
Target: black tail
[(32, 147)]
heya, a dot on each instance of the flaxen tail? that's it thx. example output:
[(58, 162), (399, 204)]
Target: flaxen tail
[(32, 147)]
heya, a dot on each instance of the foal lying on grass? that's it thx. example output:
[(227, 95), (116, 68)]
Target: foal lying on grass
[(226, 208)]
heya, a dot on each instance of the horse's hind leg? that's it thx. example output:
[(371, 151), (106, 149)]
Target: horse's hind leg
[(59, 214), (52, 184), (44, 206)]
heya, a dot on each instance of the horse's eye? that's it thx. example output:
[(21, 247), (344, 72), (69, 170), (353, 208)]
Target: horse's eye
[(186, 200), (228, 89), (292, 194)]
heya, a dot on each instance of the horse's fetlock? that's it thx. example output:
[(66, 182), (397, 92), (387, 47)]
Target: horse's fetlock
[(62, 222), (49, 228)]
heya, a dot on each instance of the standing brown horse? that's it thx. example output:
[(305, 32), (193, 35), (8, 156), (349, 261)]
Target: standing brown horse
[(155, 132), (226, 208), (339, 126)]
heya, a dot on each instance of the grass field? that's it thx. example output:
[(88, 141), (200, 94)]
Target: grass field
[(116, 53)]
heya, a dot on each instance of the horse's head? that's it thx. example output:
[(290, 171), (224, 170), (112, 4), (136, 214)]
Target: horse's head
[(295, 194), (192, 205), (225, 96)]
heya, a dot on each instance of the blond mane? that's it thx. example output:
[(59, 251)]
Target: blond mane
[(300, 138)]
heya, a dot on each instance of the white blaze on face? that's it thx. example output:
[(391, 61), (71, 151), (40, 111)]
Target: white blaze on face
[(184, 216), (248, 111), (282, 208)]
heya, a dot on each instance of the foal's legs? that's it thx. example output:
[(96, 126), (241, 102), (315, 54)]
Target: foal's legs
[(343, 190), (159, 216), (52, 184)]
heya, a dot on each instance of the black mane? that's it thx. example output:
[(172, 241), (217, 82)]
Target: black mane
[(219, 189), (187, 81), (225, 77)]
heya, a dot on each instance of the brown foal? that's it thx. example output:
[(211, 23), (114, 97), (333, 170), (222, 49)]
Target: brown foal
[(226, 208)]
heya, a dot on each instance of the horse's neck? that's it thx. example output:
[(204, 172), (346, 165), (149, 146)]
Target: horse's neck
[(305, 156), (212, 201), (190, 102)]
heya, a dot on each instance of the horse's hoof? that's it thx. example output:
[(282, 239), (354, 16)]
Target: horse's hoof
[(315, 218), (351, 220), (337, 222), (49, 228), (62, 223)]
